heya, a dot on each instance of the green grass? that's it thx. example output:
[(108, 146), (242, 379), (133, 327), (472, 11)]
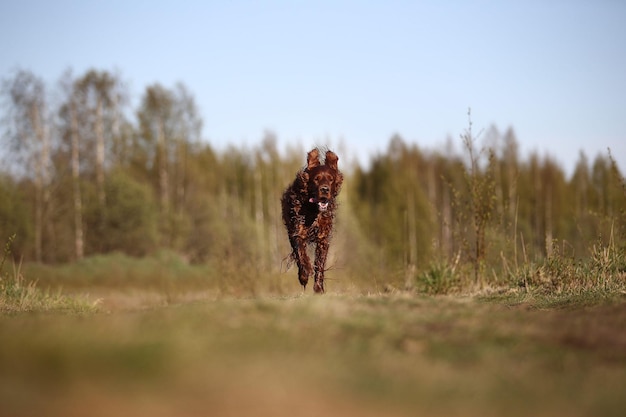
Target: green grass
[(120, 270)]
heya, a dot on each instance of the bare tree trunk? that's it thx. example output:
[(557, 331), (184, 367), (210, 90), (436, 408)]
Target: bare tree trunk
[(411, 265), (513, 198), (163, 171), (412, 225), (42, 194), (181, 171), (274, 222), (100, 153), (537, 209), (119, 151), (446, 223), (258, 213), (548, 220), (38, 213), (78, 204)]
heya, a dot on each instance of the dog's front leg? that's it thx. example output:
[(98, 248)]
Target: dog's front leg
[(298, 244), (321, 252)]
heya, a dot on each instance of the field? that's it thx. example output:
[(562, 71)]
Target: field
[(141, 352)]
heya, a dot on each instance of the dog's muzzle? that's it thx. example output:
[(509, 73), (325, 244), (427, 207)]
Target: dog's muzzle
[(321, 204)]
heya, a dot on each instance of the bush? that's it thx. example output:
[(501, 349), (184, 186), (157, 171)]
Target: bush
[(19, 295), (440, 278), (128, 221), (604, 271)]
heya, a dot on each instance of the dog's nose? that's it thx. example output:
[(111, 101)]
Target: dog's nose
[(325, 189)]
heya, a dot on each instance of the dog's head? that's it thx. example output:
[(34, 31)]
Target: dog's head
[(323, 182)]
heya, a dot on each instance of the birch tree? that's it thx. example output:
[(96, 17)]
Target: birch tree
[(168, 124), (70, 132), (29, 135), (99, 96)]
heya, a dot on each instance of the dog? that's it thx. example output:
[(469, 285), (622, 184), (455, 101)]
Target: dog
[(308, 209)]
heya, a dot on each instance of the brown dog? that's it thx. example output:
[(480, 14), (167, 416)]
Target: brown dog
[(309, 206)]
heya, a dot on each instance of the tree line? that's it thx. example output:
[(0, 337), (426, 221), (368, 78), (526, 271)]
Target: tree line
[(85, 174), (487, 207)]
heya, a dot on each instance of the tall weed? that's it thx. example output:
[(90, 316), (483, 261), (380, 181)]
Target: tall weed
[(20, 295)]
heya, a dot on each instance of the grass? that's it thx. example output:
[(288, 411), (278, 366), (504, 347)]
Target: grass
[(160, 337), (337, 354), (120, 270), (553, 281), (18, 295)]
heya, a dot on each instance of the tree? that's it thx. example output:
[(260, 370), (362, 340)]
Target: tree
[(97, 98), (14, 216), (393, 207), (129, 217), (168, 125), (29, 135), (69, 130), (481, 188), (509, 167)]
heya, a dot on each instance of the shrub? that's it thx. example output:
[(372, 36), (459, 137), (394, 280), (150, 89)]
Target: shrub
[(440, 278), (127, 222), (19, 295)]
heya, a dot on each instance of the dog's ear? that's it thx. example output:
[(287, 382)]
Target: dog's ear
[(331, 160), (338, 184), (302, 182), (312, 159)]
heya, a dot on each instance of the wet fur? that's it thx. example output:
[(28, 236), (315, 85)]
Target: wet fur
[(308, 207)]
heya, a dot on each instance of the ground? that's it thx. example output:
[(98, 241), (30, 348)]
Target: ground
[(399, 354)]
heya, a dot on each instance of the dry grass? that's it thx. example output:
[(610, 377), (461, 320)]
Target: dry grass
[(18, 295), (339, 354), (168, 340)]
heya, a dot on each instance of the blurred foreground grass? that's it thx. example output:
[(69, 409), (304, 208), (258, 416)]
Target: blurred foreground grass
[(334, 355)]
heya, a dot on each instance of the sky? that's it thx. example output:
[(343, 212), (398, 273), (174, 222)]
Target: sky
[(351, 74)]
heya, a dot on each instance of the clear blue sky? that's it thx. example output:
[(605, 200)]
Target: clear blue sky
[(352, 71)]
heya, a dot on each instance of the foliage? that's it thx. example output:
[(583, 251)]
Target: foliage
[(14, 215), (128, 220), (392, 205), (439, 278), (481, 199), (20, 295), (113, 181), (604, 270)]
